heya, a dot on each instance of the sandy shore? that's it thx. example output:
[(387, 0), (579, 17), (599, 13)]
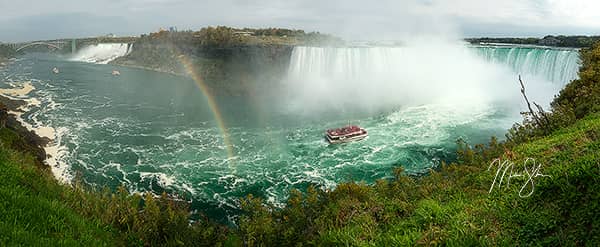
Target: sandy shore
[(24, 90)]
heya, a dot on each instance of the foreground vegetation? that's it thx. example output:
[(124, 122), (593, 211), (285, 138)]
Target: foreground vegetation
[(549, 195), (35, 210)]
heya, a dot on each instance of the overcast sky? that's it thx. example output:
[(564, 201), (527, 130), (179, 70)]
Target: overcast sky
[(22, 20)]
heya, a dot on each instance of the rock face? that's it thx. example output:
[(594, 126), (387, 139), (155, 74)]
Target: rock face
[(231, 70), (244, 69)]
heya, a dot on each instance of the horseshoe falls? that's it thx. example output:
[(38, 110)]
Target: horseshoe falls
[(375, 77), (553, 64)]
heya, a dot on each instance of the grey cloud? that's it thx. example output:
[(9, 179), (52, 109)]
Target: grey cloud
[(351, 19)]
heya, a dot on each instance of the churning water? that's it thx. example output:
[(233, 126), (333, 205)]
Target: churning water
[(154, 132)]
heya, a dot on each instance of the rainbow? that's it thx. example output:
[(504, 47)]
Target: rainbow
[(212, 103)]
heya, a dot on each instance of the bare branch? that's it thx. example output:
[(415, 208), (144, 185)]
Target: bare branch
[(535, 117)]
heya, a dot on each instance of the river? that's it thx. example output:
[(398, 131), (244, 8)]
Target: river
[(151, 131)]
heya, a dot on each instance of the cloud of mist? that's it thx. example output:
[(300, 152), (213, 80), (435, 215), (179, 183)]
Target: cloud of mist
[(423, 72)]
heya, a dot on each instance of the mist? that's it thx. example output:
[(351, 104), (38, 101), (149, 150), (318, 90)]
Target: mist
[(431, 71)]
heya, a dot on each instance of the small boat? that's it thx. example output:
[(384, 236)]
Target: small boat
[(345, 134), (116, 72), (55, 70)]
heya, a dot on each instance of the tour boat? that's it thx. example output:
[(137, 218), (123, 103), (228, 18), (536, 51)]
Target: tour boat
[(55, 70), (116, 72), (345, 134)]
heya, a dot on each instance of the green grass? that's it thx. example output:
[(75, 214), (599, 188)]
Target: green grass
[(32, 212)]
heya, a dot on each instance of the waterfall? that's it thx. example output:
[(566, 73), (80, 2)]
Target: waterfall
[(376, 77), (558, 66), (345, 63), (555, 65), (102, 53)]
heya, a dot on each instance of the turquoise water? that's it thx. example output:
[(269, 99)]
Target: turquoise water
[(154, 132), (555, 65)]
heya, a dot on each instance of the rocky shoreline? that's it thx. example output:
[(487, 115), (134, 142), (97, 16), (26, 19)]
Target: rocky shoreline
[(27, 140)]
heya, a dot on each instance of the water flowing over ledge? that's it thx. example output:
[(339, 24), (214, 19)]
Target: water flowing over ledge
[(555, 65), (559, 66), (102, 53)]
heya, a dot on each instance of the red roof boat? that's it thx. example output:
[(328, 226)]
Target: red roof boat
[(345, 134)]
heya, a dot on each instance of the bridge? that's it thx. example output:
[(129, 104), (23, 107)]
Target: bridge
[(75, 44), (53, 45)]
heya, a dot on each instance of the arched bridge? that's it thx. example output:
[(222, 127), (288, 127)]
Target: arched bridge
[(52, 44), (59, 44)]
